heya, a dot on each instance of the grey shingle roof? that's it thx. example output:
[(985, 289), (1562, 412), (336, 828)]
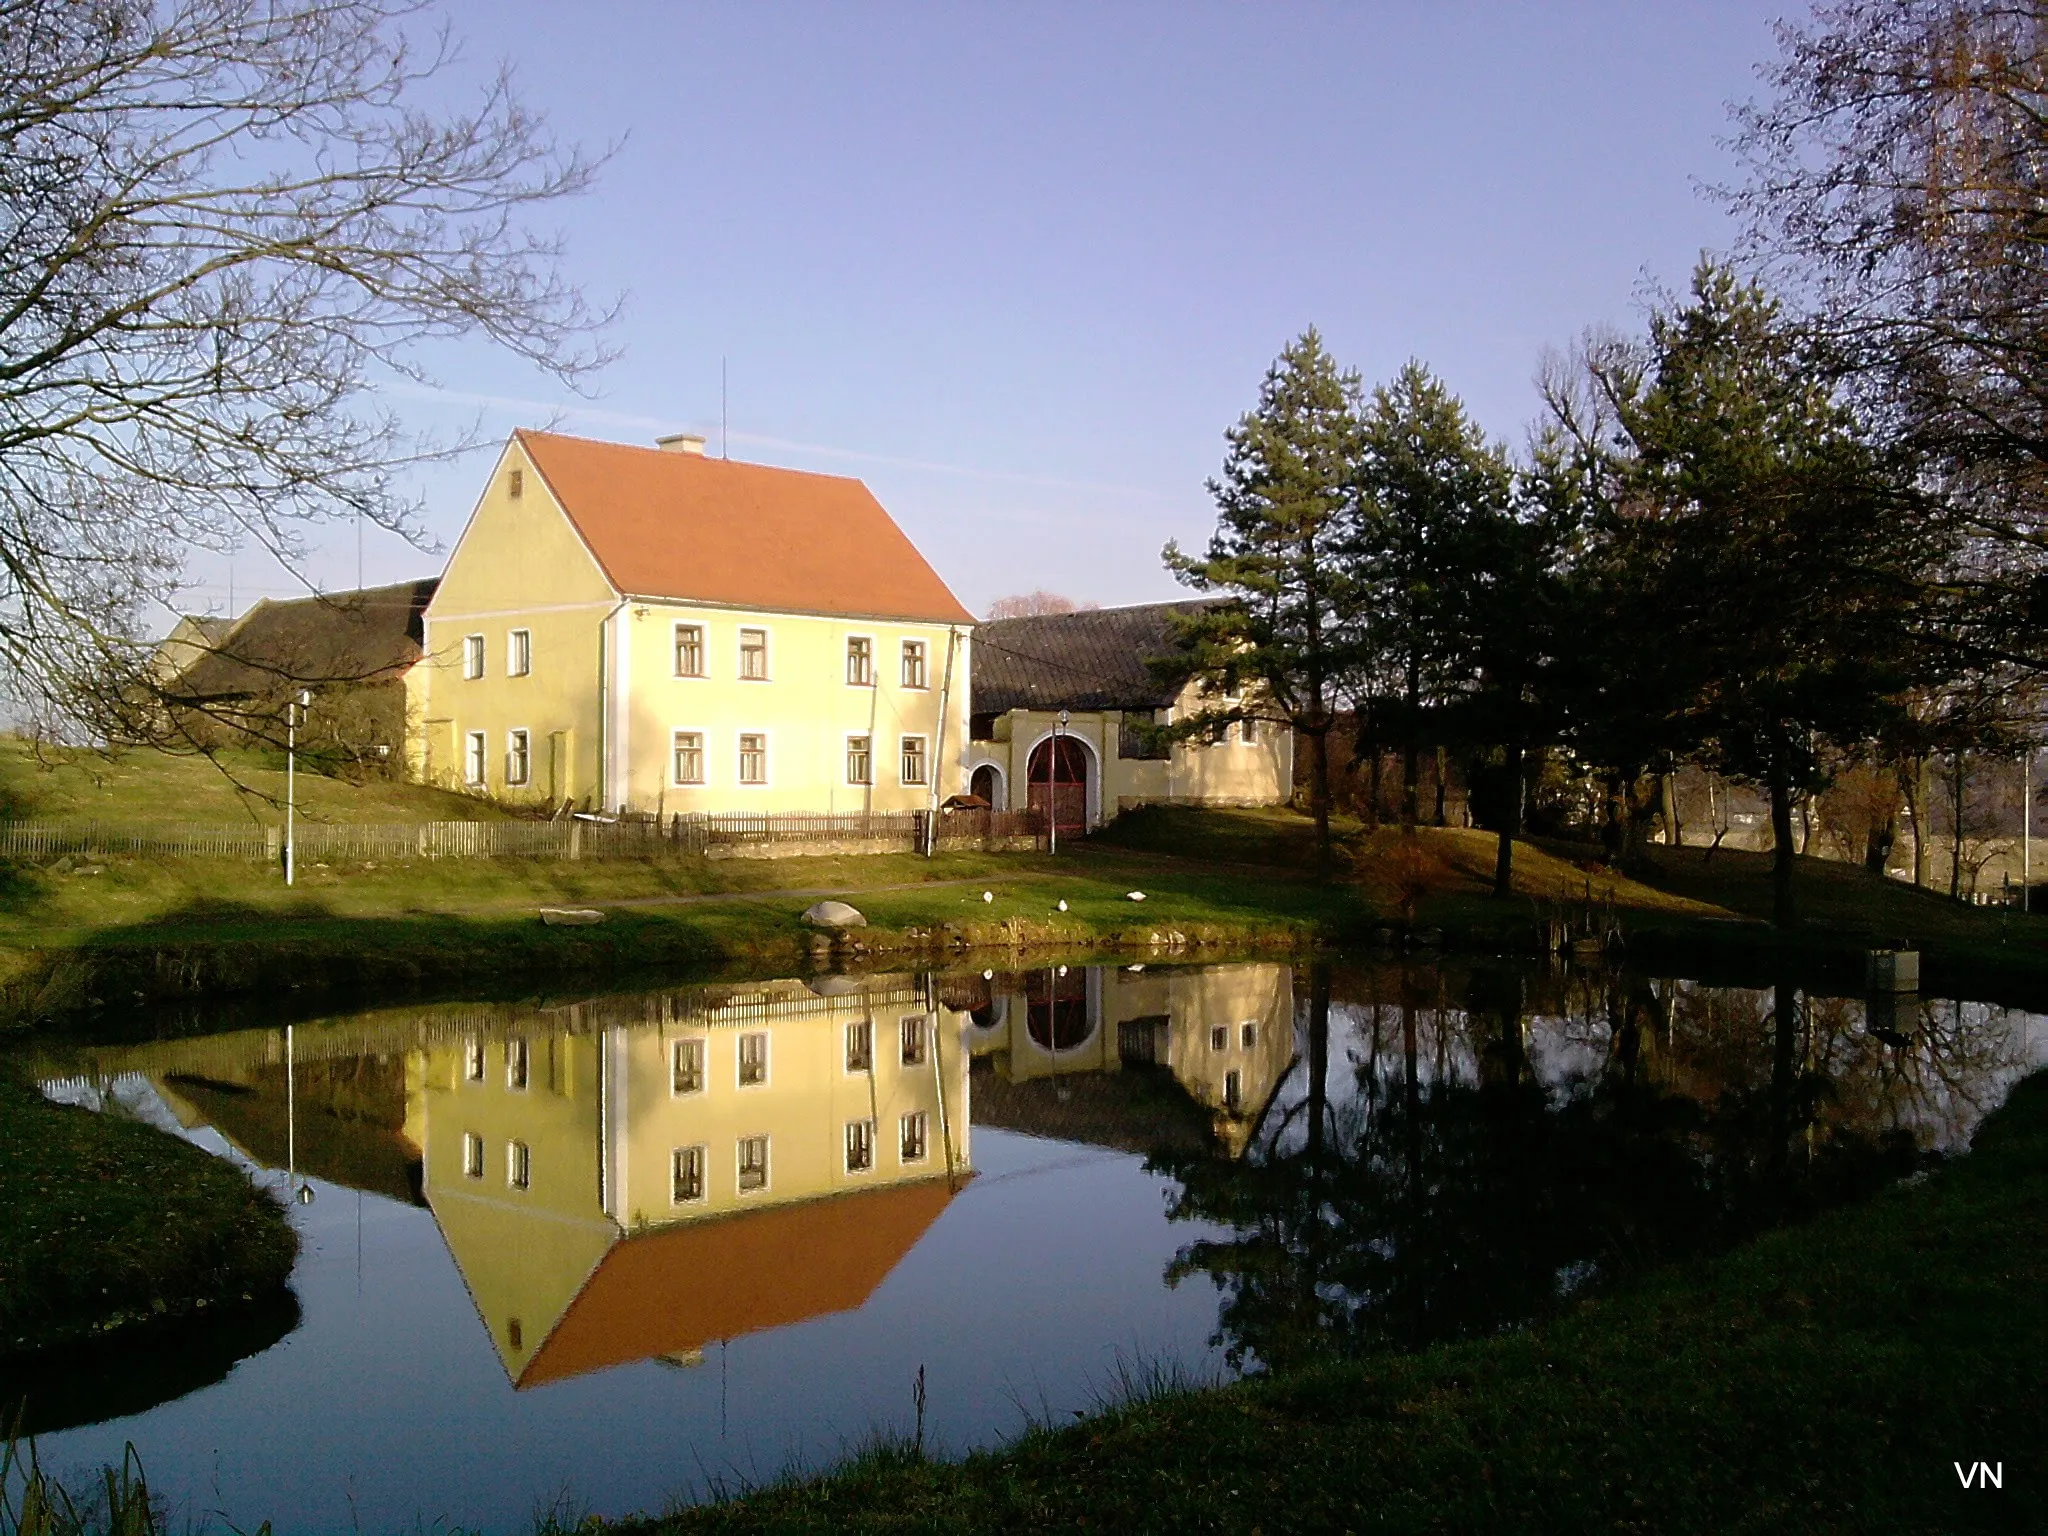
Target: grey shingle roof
[(1090, 660), (337, 637)]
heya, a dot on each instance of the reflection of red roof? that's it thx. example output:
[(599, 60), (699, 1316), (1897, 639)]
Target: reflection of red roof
[(677, 1289), (684, 526)]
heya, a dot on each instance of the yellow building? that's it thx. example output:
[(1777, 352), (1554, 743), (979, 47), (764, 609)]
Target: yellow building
[(741, 1160), (1091, 667), (1225, 1032), (653, 630)]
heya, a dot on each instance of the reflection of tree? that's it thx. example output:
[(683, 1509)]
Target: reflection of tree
[(1450, 1188)]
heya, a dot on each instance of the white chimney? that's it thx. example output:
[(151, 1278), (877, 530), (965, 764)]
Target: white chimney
[(681, 442)]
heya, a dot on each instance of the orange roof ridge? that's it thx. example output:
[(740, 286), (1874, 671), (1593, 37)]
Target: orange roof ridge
[(684, 526)]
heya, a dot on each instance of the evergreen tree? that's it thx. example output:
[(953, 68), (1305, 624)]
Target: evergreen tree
[(1285, 645)]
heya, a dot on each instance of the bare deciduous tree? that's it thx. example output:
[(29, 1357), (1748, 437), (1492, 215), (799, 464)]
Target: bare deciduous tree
[(223, 223), (1032, 605)]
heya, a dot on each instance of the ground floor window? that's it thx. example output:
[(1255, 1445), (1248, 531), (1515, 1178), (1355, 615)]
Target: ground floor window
[(473, 758), (518, 758), (860, 760), (753, 759), (689, 757), (913, 760)]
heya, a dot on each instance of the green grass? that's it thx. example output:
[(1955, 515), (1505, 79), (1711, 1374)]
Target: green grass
[(1821, 1379), (150, 788), (111, 1222)]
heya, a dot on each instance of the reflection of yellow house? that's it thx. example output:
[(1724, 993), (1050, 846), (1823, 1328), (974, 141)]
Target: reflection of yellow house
[(1225, 1032), (740, 1161), (1092, 665), (662, 631)]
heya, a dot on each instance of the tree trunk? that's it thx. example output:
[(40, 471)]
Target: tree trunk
[(1913, 785), (1667, 794), (1511, 826), (1611, 827), (1442, 788), (1411, 746), (1957, 761), (1781, 835), (1319, 793), (1318, 1059), (1877, 847)]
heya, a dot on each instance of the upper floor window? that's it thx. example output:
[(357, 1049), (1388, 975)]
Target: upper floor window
[(515, 484), (1248, 731), (913, 760), (860, 1046), (754, 655), (860, 661), (689, 757), (1219, 1037), (686, 1067), (753, 759), (519, 653), (1248, 1032), (914, 672), (913, 1038), (689, 650), (518, 757), (860, 760), (473, 1061), (472, 656), (518, 1064)]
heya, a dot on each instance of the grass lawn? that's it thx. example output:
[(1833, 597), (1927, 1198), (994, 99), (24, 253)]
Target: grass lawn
[(112, 1222), (1823, 1378)]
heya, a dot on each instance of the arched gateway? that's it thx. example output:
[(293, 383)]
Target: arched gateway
[(1061, 771)]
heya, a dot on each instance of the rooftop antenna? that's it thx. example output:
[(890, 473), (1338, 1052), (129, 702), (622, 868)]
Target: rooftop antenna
[(724, 452)]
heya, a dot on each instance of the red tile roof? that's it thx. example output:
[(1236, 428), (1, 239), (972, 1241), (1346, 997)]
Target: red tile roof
[(682, 525)]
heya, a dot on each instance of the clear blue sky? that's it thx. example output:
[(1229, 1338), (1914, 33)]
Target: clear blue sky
[(1019, 266)]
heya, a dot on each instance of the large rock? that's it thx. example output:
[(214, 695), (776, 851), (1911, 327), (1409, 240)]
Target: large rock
[(834, 914)]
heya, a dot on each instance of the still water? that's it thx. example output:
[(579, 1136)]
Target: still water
[(612, 1253)]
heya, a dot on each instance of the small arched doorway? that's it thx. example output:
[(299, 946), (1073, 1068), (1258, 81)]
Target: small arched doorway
[(987, 782), (1059, 770)]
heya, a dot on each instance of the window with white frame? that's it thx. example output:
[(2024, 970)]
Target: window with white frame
[(913, 1134), (472, 1155), (518, 757), (689, 757), (860, 661), (472, 656), (915, 672), (689, 650), (686, 1175), (473, 758), (860, 760), (913, 764), (860, 1145), (473, 1061), (1219, 1037), (753, 1163), (519, 653), (913, 1035), (1248, 1034), (686, 1067), (754, 655), (518, 1165), (518, 1064), (860, 1046), (753, 758), (754, 1059)]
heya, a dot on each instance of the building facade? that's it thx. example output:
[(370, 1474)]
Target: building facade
[(655, 631)]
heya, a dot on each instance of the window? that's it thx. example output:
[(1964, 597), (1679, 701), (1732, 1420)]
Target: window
[(860, 1047), (472, 1155), (518, 1165), (518, 757), (913, 759), (913, 1136), (689, 650), (513, 1334), (473, 758), (1219, 733), (754, 655), (913, 664), (517, 1060), (519, 653), (1233, 1090), (753, 1060), (472, 656), (860, 1145), (685, 1175), (1248, 732), (515, 484), (753, 759), (913, 1041), (753, 1163), (686, 1067), (1219, 1037), (1248, 1035), (689, 757), (860, 661), (860, 760), (473, 1061)]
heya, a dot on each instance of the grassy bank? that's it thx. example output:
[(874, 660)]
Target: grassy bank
[(1823, 1378), (111, 1223)]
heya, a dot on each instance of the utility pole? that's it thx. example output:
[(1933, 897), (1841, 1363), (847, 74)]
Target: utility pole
[(293, 711)]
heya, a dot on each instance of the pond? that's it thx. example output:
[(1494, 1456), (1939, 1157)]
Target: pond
[(611, 1253)]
